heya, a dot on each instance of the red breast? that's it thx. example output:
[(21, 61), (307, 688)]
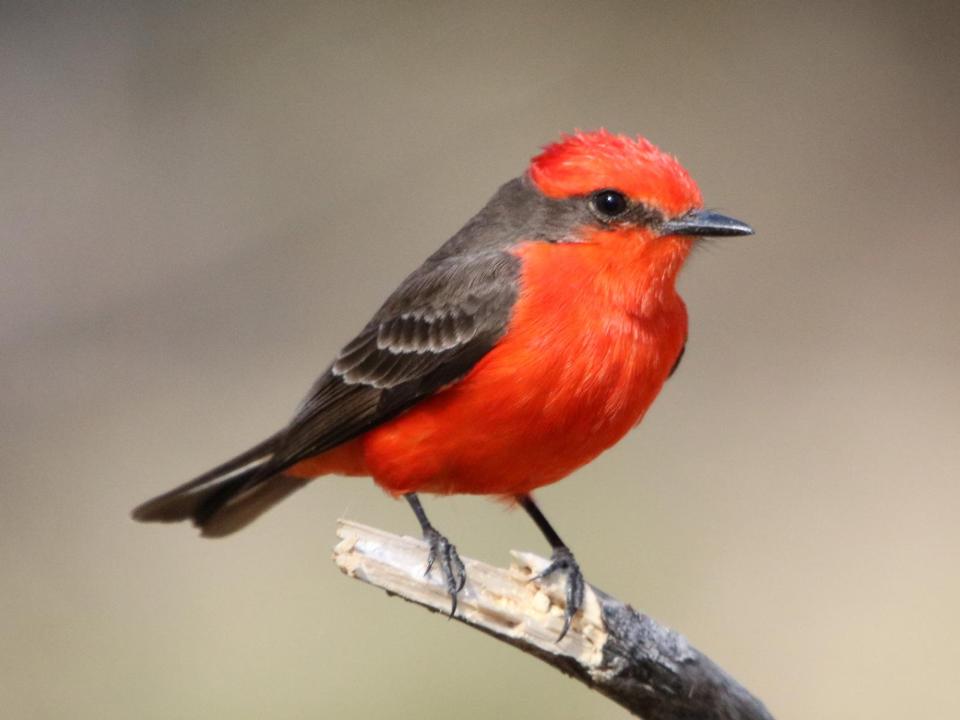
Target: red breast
[(593, 337)]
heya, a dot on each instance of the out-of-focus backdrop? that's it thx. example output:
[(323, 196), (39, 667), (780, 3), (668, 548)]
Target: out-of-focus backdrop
[(200, 203)]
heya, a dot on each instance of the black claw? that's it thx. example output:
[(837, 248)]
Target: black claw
[(563, 561), (451, 566)]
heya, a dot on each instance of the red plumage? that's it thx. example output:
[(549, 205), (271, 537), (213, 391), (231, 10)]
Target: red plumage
[(583, 162), (530, 342), (592, 339), (593, 336)]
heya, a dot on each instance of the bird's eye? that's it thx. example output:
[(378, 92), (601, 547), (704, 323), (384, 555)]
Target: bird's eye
[(609, 203)]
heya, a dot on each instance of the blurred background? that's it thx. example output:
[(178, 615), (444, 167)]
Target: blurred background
[(200, 203)]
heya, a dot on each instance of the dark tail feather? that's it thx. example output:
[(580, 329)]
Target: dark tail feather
[(261, 451), (221, 505), (230, 510)]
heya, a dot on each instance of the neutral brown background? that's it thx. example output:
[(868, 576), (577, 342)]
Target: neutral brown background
[(199, 205)]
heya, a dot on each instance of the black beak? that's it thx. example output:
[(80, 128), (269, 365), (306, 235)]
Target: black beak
[(705, 223)]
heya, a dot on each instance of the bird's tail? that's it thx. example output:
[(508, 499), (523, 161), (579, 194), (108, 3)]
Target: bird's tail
[(228, 497)]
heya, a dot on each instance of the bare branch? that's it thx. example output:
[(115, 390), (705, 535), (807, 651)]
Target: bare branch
[(650, 670)]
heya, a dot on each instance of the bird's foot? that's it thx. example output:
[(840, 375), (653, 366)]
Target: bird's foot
[(563, 561), (444, 554)]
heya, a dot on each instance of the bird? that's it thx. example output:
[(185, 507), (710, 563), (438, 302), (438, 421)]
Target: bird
[(531, 341)]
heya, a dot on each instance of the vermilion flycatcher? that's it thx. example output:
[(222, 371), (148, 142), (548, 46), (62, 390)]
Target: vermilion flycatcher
[(530, 342)]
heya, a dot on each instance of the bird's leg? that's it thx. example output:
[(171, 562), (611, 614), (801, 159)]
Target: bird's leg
[(442, 551), (561, 560)]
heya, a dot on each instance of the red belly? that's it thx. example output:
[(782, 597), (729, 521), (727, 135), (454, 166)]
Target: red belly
[(578, 368)]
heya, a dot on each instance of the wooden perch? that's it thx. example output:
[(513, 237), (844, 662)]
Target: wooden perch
[(648, 669)]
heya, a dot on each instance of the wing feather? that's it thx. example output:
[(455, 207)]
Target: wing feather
[(430, 332)]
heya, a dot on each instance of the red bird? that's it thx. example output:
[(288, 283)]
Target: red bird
[(528, 344)]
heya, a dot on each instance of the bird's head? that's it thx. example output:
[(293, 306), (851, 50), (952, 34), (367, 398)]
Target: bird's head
[(629, 185)]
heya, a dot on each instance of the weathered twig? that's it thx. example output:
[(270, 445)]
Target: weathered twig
[(627, 656)]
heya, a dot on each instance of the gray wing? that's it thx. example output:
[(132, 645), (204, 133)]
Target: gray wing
[(440, 321)]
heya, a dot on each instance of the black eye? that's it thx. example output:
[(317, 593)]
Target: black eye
[(609, 203)]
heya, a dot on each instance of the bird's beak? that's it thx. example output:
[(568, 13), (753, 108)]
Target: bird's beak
[(705, 223)]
